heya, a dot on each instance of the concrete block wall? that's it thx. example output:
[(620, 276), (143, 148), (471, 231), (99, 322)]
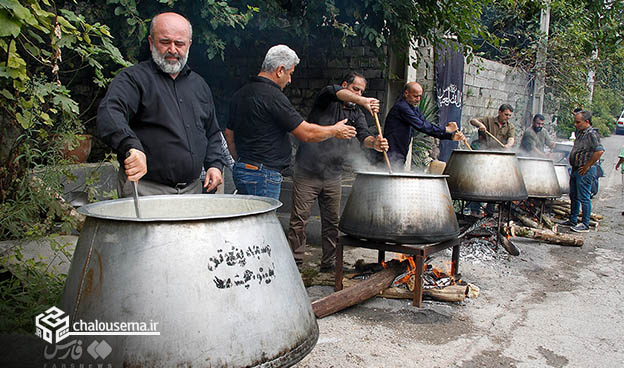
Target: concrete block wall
[(487, 85)]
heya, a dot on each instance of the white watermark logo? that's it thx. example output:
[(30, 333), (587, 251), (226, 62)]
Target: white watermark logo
[(53, 326)]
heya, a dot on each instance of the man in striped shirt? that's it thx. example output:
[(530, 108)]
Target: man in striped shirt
[(585, 153)]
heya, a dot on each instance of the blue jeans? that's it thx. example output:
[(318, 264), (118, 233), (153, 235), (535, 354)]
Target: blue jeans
[(261, 182), (580, 190)]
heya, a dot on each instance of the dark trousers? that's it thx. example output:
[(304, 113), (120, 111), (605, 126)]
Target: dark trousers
[(306, 189), (580, 192)]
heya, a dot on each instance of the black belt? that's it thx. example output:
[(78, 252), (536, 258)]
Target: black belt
[(257, 165)]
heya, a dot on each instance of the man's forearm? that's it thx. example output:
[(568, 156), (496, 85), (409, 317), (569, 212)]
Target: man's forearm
[(594, 158), (229, 138)]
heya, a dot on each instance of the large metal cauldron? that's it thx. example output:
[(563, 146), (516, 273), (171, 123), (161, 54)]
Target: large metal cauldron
[(214, 271), (539, 177), (487, 176), (563, 177), (404, 208)]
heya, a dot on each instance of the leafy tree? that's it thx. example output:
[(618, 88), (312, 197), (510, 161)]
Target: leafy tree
[(42, 49), (584, 36)]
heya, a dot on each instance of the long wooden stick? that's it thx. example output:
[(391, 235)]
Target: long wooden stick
[(465, 141), (496, 139), (381, 135)]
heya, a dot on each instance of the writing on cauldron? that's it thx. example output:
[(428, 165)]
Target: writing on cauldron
[(242, 258), (246, 278), (237, 256)]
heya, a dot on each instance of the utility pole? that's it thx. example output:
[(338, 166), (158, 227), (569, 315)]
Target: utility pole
[(590, 77), (540, 60)]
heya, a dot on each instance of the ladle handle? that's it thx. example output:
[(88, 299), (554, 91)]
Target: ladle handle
[(496, 139), (465, 141), (381, 135)]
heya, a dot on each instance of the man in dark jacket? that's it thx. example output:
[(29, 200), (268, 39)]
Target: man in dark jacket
[(318, 166), (404, 117), (159, 117)]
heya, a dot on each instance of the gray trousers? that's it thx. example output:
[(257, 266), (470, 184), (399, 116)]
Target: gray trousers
[(306, 189), (146, 188)]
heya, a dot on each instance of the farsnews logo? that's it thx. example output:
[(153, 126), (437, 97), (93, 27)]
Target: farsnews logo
[(52, 326)]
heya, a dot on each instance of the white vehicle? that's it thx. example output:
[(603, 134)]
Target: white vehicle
[(619, 125)]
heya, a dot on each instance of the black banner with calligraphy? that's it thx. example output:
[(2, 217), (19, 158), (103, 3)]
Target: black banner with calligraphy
[(449, 77)]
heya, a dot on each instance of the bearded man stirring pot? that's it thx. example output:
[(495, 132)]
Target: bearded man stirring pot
[(159, 117)]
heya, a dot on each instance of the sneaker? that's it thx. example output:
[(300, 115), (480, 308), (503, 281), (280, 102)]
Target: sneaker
[(568, 223), (580, 228)]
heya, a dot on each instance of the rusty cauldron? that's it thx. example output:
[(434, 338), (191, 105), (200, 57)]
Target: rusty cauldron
[(563, 177), (403, 207), (539, 177), (485, 176), (214, 272)]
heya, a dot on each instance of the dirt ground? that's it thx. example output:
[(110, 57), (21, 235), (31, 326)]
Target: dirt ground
[(552, 306)]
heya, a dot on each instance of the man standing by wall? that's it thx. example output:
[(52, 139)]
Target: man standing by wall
[(535, 138), (406, 116), (318, 166), (586, 151), (260, 118), (499, 126), (160, 114)]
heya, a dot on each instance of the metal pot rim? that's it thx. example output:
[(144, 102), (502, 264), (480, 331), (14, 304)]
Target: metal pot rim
[(566, 165), (401, 174), (535, 159), (272, 204), (474, 152)]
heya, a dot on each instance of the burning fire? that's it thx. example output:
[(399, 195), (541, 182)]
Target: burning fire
[(432, 275)]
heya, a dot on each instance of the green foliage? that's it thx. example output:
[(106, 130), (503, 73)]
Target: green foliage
[(584, 36), (28, 287), (43, 49), (422, 144)]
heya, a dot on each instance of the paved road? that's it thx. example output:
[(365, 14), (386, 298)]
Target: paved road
[(550, 307)]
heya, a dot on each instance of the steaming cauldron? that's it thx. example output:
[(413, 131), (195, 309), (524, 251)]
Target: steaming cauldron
[(563, 177), (404, 208), (539, 177), (487, 176), (214, 271)]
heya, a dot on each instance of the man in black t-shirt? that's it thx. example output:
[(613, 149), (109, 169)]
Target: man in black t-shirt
[(318, 166), (260, 118)]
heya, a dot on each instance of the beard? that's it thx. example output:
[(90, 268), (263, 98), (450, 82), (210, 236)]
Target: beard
[(167, 66)]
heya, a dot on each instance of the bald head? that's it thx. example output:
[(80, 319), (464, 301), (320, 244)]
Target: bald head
[(412, 92), (168, 18), (170, 40)]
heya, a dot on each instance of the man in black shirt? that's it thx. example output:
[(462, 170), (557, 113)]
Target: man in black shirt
[(318, 166), (160, 115), (260, 118)]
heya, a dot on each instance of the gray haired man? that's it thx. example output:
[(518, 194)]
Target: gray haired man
[(261, 116)]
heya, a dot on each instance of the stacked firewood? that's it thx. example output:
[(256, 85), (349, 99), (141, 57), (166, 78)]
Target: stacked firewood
[(561, 208), (541, 226)]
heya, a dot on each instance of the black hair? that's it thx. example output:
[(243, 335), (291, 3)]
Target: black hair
[(504, 107), (538, 117), (350, 77)]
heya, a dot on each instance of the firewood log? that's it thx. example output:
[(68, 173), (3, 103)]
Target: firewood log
[(528, 222), (451, 293), (593, 216), (548, 236), (566, 214), (358, 293)]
